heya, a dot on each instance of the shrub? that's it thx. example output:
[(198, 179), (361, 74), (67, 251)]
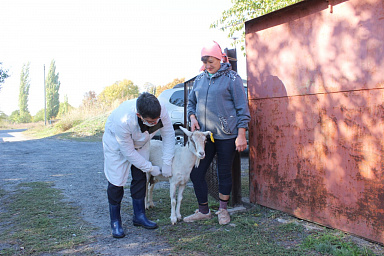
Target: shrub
[(40, 116)]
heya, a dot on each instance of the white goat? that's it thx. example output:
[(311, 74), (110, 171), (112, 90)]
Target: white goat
[(185, 158)]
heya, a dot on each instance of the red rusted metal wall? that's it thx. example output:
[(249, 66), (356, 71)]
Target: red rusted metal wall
[(316, 93)]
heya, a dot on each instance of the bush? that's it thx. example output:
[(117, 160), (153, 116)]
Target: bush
[(64, 109), (40, 116), (67, 123), (25, 117), (3, 117), (17, 117)]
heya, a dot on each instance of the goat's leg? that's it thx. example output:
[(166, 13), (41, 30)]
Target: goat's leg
[(146, 201), (179, 199), (150, 195), (149, 192), (172, 194)]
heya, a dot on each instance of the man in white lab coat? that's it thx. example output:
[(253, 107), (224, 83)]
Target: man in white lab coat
[(126, 141)]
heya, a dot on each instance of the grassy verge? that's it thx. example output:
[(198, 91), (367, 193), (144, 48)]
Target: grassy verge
[(90, 129), (34, 219), (257, 231), (8, 126), (81, 125)]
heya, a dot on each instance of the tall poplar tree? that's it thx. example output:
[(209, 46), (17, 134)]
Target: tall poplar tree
[(25, 116), (52, 93)]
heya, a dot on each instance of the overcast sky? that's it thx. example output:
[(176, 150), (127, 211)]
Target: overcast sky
[(96, 43)]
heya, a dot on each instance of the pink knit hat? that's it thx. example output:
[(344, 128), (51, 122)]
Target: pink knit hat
[(213, 50)]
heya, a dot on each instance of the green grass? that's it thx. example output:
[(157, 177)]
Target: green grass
[(334, 244), (92, 126), (35, 220), (42, 131), (90, 129), (253, 232)]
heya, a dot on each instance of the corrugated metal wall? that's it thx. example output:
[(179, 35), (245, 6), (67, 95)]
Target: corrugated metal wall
[(316, 91)]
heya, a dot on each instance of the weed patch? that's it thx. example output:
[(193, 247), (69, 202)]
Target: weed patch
[(334, 244), (36, 220), (257, 231)]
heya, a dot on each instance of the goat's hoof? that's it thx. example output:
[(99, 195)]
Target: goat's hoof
[(173, 221)]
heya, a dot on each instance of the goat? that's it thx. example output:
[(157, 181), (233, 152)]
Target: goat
[(185, 158)]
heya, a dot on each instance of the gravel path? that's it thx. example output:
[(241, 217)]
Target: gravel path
[(76, 168)]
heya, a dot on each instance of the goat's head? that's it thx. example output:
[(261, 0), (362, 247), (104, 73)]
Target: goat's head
[(196, 143)]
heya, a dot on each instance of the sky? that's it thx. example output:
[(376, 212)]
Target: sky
[(96, 43)]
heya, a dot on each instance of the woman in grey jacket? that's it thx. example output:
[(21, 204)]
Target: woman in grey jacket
[(217, 103)]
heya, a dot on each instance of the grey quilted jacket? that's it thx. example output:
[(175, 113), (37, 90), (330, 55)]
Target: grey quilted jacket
[(219, 103)]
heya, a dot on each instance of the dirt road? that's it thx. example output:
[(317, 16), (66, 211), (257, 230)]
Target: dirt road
[(76, 168)]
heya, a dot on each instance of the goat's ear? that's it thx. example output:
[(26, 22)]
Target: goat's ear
[(207, 133), (188, 133)]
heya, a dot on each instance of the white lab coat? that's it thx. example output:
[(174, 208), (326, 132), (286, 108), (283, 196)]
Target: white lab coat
[(124, 144)]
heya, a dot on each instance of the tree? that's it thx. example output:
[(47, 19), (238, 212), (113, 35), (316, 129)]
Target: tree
[(3, 74), (3, 116), (119, 90), (24, 115), (149, 87), (89, 99), (233, 19), (52, 93), (40, 115), (15, 116), (160, 89), (65, 107)]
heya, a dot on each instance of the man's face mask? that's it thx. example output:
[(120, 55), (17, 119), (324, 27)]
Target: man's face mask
[(151, 122), (148, 124)]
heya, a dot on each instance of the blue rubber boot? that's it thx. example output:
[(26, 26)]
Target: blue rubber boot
[(139, 218), (116, 226)]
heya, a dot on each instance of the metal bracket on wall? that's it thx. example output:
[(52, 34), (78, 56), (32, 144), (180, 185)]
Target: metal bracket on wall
[(330, 5)]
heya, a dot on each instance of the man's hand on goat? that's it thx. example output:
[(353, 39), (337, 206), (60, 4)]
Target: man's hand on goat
[(155, 171), (166, 170)]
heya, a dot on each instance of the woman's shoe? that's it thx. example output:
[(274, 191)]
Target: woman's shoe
[(198, 216), (223, 216)]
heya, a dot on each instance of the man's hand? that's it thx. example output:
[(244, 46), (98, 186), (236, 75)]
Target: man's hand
[(166, 170), (155, 171)]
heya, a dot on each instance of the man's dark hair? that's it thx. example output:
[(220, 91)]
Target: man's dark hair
[(204, 58), (148, 105)]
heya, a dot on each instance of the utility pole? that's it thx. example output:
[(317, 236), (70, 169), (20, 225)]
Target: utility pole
[(45, 101)]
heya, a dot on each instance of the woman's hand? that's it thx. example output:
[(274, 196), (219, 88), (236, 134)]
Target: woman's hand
[(241, 141), (194, 123)]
